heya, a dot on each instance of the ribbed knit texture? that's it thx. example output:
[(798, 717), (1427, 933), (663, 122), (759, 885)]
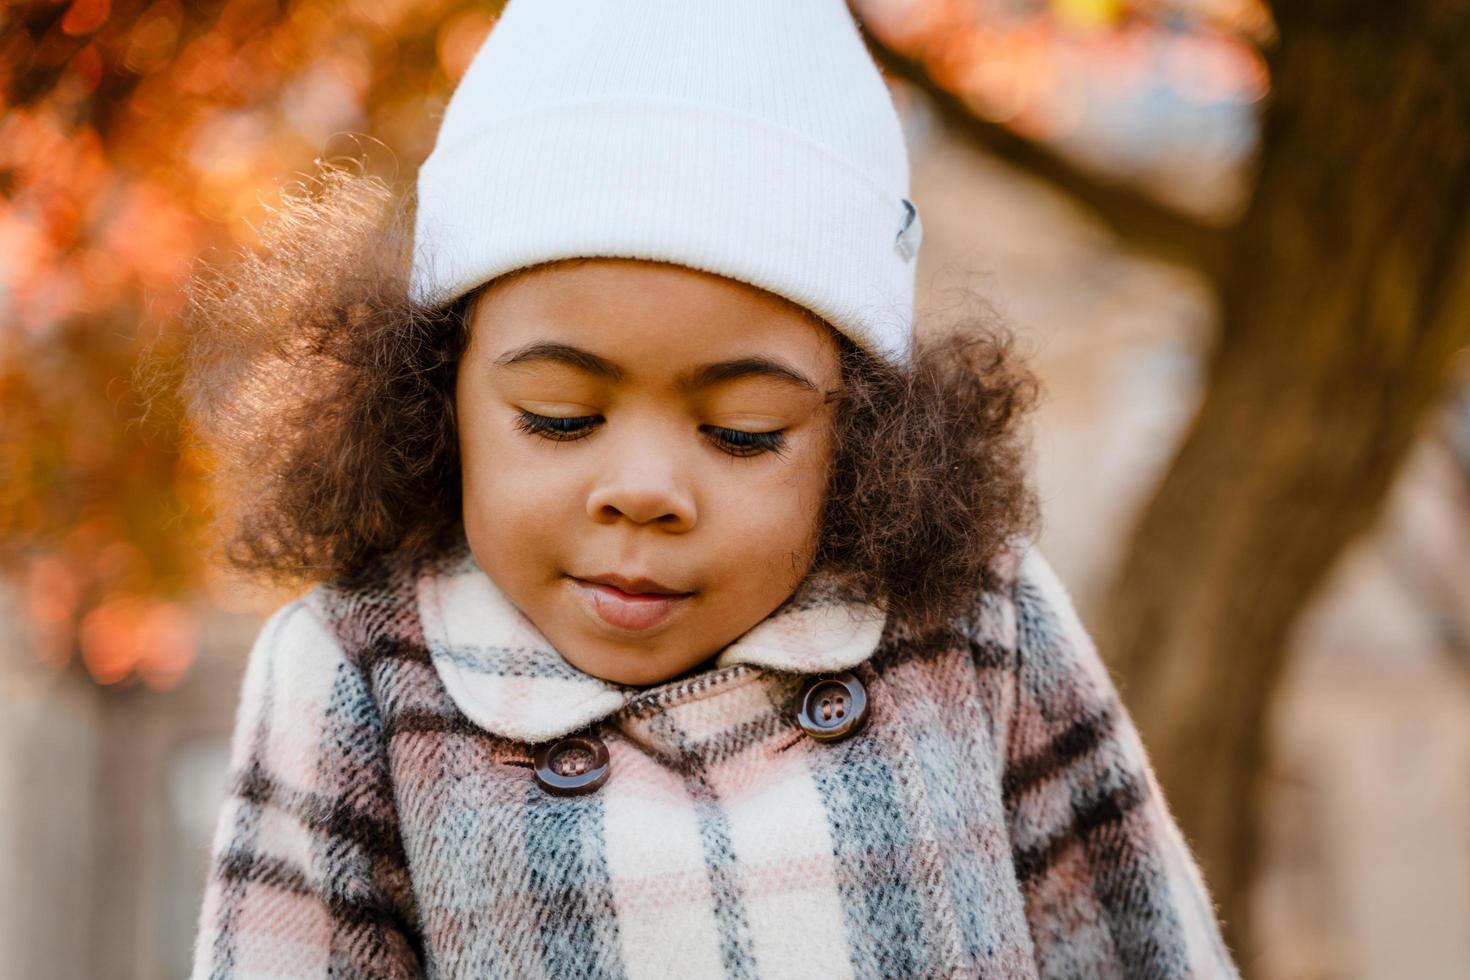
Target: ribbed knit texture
[(755, 140), (997, 817)]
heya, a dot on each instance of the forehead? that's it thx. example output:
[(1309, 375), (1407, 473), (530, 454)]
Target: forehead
[(648, 314)]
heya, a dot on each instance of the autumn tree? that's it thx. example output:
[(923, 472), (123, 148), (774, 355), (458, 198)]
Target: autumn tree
[(1343, 302), (136, 138)]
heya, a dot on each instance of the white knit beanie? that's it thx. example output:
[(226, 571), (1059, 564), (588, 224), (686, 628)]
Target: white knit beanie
[(754, 139)]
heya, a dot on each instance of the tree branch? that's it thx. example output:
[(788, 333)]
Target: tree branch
[(1146, 225)]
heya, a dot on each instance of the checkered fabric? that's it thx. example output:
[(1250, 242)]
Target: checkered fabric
[(996, 817)]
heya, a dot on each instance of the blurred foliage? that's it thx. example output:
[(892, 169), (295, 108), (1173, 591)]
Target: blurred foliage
[(135, 138), (1159, 95), (139, 137)]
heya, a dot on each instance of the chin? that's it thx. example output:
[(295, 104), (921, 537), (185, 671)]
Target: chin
[(629, 669), (630, 674)]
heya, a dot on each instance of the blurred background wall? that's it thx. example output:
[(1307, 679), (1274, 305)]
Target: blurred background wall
[(1232, 238)]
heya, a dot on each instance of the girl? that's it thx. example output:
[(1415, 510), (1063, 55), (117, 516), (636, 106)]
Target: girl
[(676, 613)]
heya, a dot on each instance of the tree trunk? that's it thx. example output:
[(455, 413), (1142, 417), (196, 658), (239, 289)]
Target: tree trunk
[(1344, 297)]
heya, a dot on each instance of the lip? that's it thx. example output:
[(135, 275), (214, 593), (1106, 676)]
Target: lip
[(632, 586), (634, 612)]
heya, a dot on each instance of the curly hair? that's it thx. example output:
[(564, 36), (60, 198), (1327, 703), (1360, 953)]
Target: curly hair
[(327, 396)]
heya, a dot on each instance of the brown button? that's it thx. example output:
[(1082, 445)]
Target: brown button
[(572, 766), (832, 708)]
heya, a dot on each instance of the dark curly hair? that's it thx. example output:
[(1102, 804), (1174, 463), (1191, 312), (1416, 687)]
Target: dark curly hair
[(327, 397)]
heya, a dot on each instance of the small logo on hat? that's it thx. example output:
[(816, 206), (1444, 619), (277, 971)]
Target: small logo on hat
[(912, 232)]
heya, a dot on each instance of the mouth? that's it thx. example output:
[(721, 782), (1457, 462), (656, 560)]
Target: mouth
[(633, 586), (631, 604)]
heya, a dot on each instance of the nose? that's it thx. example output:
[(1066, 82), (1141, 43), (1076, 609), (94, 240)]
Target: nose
[(644, 485)]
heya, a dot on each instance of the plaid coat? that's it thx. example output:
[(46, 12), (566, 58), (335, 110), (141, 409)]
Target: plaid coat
[(996, 817)]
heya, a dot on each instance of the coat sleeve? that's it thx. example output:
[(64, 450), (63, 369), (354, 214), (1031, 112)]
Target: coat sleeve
[(307, 875), (1110, 886)]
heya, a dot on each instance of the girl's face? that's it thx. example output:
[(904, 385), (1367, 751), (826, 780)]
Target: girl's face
[(632, 428)]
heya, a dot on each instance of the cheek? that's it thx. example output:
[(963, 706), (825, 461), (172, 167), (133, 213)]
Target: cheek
[(807, 481), (772, 523), (510, 497)]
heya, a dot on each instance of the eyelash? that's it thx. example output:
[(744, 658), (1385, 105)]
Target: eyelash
[(732, 441)]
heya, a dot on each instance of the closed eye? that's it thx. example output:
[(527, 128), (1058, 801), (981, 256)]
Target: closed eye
[(558, 429), (736, 442)]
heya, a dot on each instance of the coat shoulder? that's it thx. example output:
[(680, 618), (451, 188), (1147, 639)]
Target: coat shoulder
[(989, 625), (379, 609), (297, 641)]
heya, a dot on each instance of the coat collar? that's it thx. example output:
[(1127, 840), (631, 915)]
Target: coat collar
[(506, 677)]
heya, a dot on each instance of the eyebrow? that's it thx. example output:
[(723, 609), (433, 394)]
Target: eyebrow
[(699, 377)]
